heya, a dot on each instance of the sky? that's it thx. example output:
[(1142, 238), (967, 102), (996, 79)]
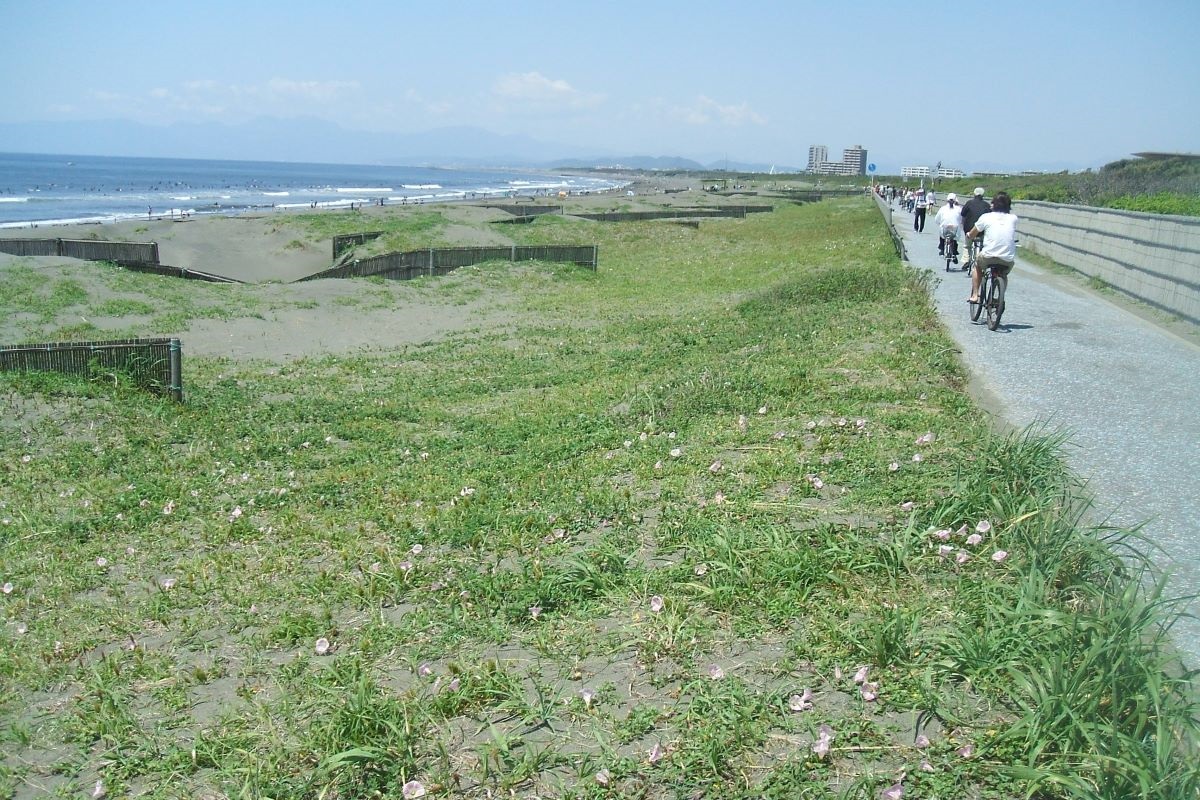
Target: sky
[(1052, 84)]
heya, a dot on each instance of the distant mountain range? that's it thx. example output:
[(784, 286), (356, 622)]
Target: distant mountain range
[(319, 141)]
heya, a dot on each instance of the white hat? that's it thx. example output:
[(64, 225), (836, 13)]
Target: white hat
[(979, 191), (951, 196)]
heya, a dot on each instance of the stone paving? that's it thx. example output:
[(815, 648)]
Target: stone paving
[(1124, 384)]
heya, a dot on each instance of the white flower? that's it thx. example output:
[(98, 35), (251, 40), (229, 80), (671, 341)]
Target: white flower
[(715, 672), (101, 562), (762, 409), (918, 458), (588, 696), (983, 526), (657, 603), (167, 584), (974, 539), (962, 557), (22, 627), (675, 452), (322, 646), (801, 702), (893, 792), (412, 790), (716, 466), (999, 556), (656, 753), (603, 777), (99, 790), (535, 611), (416, 549), (467, 491), (908, 505), (894, 466)]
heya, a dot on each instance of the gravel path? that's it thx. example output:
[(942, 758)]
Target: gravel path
[(1126, 388)]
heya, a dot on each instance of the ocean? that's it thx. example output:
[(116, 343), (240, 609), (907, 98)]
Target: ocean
[(48, 189)]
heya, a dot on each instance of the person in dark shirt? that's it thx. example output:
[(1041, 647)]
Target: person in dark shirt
[(974, 208)]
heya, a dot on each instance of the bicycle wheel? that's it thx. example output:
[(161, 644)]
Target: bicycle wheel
[(984, 288), (995, 301)]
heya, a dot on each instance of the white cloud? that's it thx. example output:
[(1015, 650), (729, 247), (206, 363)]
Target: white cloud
[(706, 111), (517, 91)]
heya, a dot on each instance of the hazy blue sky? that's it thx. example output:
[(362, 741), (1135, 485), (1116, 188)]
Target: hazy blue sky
[(1054, 82)]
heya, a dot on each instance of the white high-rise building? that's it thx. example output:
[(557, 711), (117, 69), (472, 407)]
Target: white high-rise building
[(854, 161), (817, 154), (856, 157)]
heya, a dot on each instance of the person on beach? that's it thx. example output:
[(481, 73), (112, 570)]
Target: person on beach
[(948, 220), (998, 228)]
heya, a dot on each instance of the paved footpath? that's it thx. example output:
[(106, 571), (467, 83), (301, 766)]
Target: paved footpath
[(1126, 388)]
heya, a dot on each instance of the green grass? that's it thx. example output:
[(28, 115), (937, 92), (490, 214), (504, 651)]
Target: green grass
[(723, 419)]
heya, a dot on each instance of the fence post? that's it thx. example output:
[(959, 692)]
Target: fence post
[(176, 359), (431, 262), (513, 256), (595, 257), (155, 245)]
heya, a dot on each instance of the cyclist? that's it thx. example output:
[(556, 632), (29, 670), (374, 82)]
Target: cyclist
[(948, 220), (974, 208), (998, 228)]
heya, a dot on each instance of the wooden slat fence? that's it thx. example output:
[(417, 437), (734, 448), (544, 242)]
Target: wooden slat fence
[(175, 272), (736, 212), (440, 261), (153, 364), (349, 241), (521, 210), (86, 249)]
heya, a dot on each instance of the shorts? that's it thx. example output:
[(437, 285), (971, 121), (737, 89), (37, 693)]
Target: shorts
[(1002, 266)]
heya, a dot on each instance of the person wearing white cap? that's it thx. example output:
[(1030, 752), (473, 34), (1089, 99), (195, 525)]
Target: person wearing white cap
[(974, 208), (948, 220)]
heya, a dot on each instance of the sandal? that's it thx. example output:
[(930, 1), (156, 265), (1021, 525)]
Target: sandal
[(972, 299)]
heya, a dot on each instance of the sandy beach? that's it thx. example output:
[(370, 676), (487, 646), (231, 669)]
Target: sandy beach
[(269, 252)]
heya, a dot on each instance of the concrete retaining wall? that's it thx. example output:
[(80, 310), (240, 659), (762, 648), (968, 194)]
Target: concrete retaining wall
[(1154, 258)]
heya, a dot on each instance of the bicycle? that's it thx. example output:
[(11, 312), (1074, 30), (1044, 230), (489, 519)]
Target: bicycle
[(974, 246), (991, 295), (950, 247)]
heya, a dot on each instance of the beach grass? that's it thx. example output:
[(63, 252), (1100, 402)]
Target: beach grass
[(717, 520)]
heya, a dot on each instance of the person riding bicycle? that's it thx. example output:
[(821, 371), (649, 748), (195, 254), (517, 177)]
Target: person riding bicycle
[(948, 220), (974, 208), (998, 228)]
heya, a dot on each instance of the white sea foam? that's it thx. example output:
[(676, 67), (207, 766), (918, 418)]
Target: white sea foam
[(277, 194), (421, 186), (14, 199), (363, 190)]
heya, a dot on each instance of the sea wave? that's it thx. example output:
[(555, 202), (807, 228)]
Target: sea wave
[(14, 199), (421, 186), (363, 190)]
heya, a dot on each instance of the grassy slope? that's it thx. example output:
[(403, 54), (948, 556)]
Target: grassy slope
[(726, 419)]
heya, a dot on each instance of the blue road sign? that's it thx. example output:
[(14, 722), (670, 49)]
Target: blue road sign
[(870, 167)]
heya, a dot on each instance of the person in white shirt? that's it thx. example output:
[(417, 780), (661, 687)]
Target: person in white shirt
[(998, 228), (948, 220)]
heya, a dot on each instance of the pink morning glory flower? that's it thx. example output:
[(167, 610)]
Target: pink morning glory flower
[(869, 692), (999, 556), (922, 741), (962, 557), (412, 790), (893, 792), (321, 647), (983, 526), (656, 753), (861, 676), (588, 696), (943, 534), (966, 751), (603, 777), (657, 603), (715, 672), (974, 539)]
